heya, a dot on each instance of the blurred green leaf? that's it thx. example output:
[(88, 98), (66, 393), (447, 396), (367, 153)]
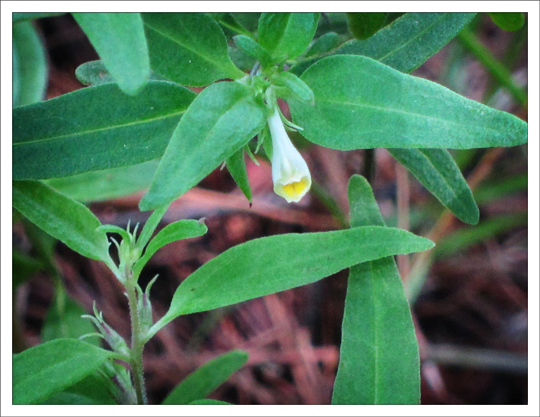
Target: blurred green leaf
[(207, 378), (286, 35), (294, 86), (95, 128), (221, 120), (51, 367), (24, 267), (120, 42), (323, 44), (466, 237), (182, 229), (405, 44), (277, 263), (379, 360), (508, 21), (361, 103), (437, 171), (64, 321), (62, 218), (188, 48), (25, 16), (207, 401), (29, 65), (236, 165), (364, 25)]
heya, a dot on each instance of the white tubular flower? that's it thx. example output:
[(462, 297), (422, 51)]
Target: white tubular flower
[(290, 172)]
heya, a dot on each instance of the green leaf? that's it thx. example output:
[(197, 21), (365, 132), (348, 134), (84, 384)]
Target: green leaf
[(323, 44), (406, 43), (463, 238), (207, 401), (64, 321), (252, 48), (221, 120), (151, 225), (236, 165), (182, 229), (62, 218), (286, 35), (106, 184), (95, 128), (364, 25), (49, 368), (91, 390), (29, 65), (188, 48), (207, 378), (508, 21), (379, 360), (25, 16), (24, 267), (120, 42), (361, 103), (299, 89), (437, 171), (277, 263)]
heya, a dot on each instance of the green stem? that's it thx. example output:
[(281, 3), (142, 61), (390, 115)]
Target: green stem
[(137, 345), (498, 70)]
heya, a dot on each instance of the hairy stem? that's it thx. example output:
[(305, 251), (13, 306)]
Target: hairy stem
[(137, 345)]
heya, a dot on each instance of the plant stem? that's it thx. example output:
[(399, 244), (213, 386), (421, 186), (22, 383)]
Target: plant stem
[(137, 345)]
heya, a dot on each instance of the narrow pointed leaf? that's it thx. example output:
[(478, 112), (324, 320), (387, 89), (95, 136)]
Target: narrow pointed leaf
[(221, 120), (188, 48), (42, 371), (207, 378), (277, 263), (120, 42), (62, 218), (406, 43), (437, 171), (95, 128), (379, 361), (29, 65), (182, 229), (236, 165), (286, 35), (361, 103), (151, 225), (95, 73)]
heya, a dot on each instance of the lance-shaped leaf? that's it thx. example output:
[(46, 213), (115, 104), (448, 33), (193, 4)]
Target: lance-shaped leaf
[(379, 361), (182, 229), (62, 218), (236, 165), (29, 65), (95, 128), (406, 43), (277, 263), (286, 35), (188, 48), (120, 42), (49, 368), (437, 171), (207, 378), (323, 44), (221, 120), (361, 103)]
